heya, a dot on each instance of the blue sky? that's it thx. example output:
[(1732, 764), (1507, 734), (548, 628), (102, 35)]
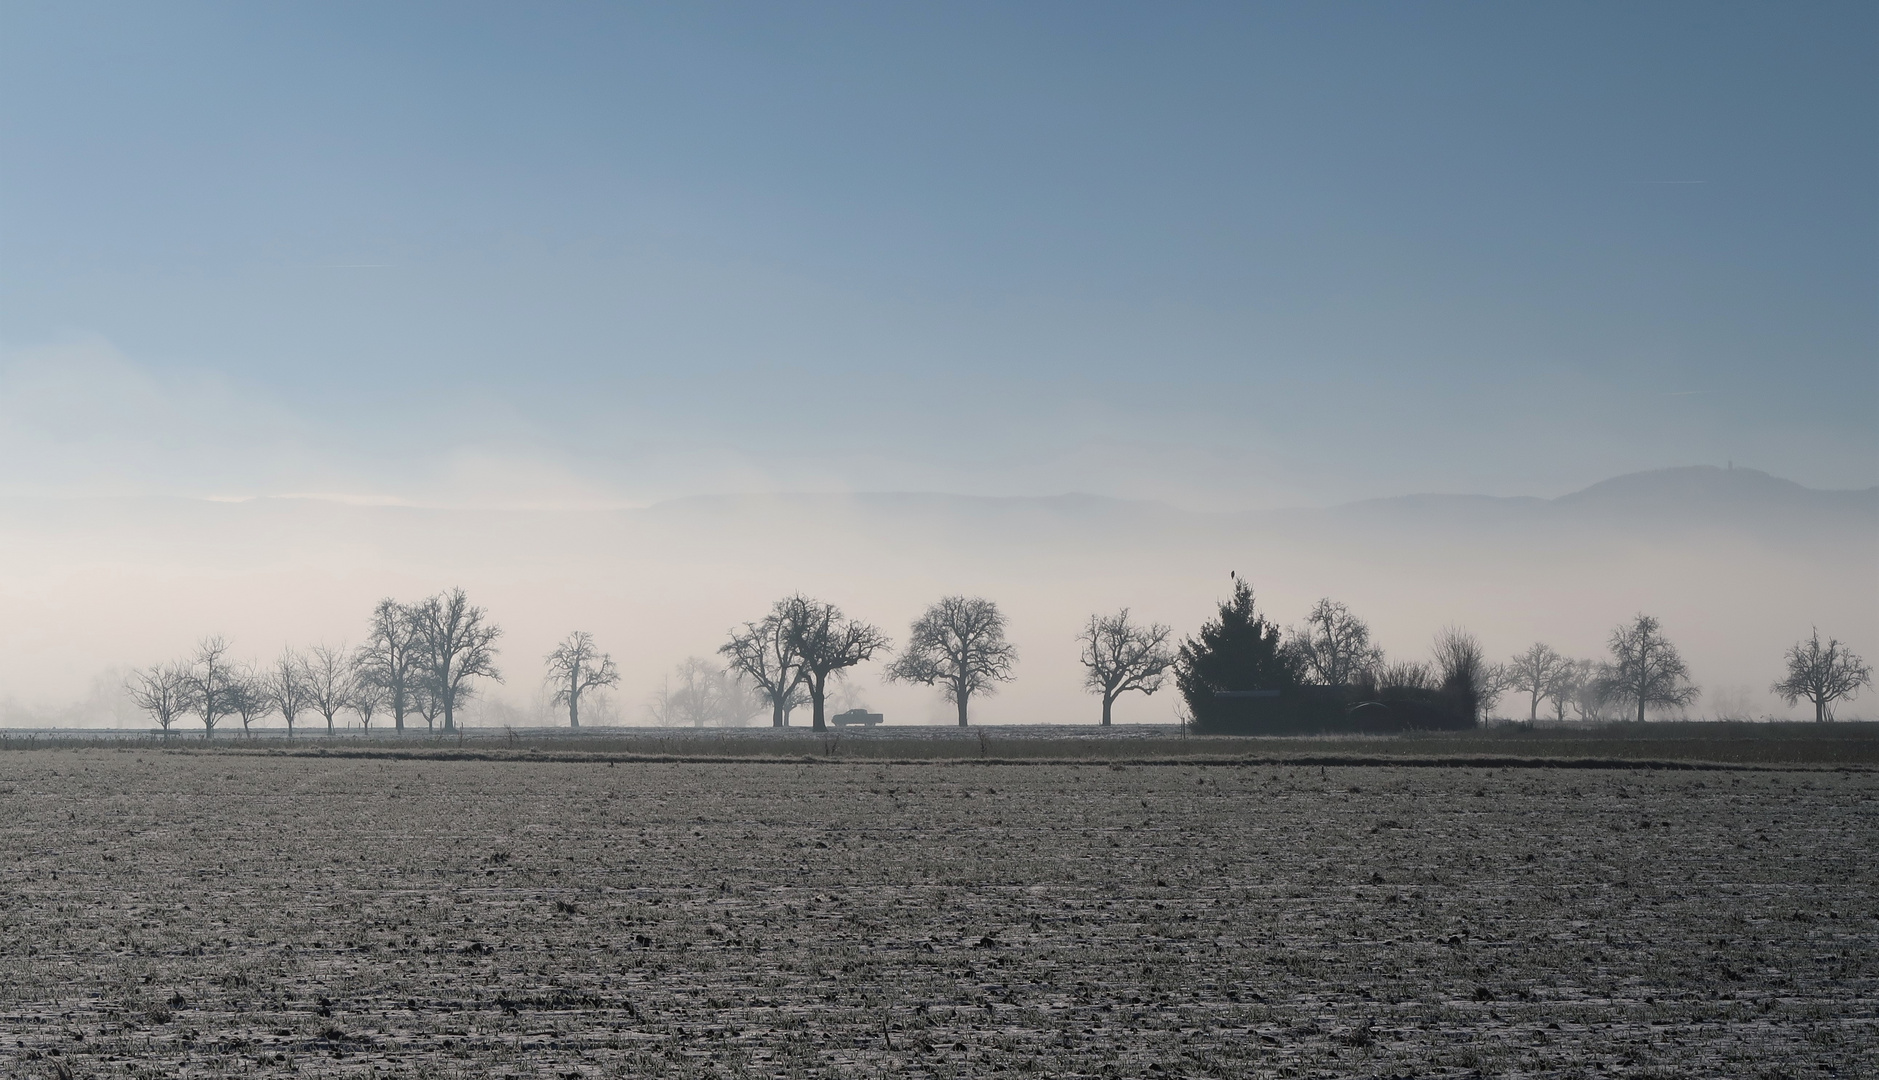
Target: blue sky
[(1223, 255)]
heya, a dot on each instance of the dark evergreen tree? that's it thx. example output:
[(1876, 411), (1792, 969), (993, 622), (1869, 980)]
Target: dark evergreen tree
[(1238, 650)]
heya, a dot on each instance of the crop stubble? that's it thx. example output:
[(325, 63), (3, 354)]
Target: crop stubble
[(236, 915)]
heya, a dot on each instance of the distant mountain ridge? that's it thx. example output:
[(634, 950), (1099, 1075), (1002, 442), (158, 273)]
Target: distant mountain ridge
[(1685, 486), (1658, 504), (1705, 494), (1696, 486), (1697, 495)]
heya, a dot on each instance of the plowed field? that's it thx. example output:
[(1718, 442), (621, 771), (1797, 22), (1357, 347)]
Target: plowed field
[(167, 914)]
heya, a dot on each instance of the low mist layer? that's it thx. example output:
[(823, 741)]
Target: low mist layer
[(1736, 564)]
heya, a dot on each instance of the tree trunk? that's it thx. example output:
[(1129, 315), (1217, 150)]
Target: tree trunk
[(574, 709), (1640, 708), (963, 698), (1107, 703), (1820, 710), (1533, 710), (329, 726), (444, 684), (815, 706), (776, 711)]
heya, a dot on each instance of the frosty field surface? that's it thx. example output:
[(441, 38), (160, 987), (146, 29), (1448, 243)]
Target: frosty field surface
[(170, 914)]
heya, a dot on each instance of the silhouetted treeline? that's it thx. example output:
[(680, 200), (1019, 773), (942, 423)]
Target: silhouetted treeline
[(1240, 673)]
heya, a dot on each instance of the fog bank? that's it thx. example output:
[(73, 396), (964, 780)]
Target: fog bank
[(1737, 565)]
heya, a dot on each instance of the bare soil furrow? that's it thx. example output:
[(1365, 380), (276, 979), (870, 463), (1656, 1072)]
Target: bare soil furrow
[(243, 914)]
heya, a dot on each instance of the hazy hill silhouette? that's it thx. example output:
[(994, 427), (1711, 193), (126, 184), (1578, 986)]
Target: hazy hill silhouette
[(1707, 493), (1698, 496)]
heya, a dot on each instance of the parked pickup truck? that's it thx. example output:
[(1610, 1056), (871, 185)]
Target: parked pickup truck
[(857, 716)]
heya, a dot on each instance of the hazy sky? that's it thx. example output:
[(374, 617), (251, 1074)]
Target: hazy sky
[(1231, 255)]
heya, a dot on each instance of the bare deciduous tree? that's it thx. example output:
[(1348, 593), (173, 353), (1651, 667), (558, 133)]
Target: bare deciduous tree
[(425, 703), (958, 643), (827, 643), (1493, 684), (1536, 673), (1405, 675), (1333, 647), (1822, 674), (577, 666), (706, 696), (762, 653), (328, 678), (1562, 687), (1464, 672), (250, 700), (389, 659), (456, 643), (162, 691), (211, 683), (1119, 656), (365, 697), (1588, 687), (1645, 669), (286, 687)]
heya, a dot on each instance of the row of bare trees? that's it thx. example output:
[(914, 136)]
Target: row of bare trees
[(700, 693), (418, 659), (1332, 647), (1645, 671), (798, 647), (1642, 671), (424, 660), (958, 644), (212, 687), (1242, 651)]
